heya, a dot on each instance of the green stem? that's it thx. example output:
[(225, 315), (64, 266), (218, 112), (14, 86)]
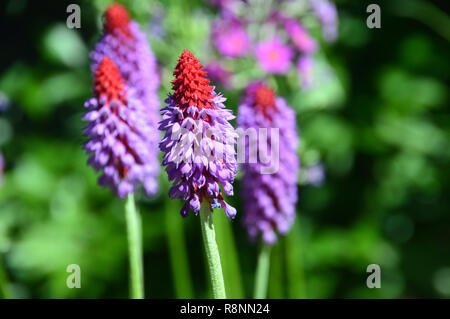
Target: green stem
[(277, 278), (134, 230), (177, 250), (262, 272), (230, 265), (212, 251), (4, 286), (294, 262)]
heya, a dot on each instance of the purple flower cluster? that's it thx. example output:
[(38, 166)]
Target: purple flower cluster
[(199, 141), (127, 47), (269, 198), (327, 14), (239, 32), (305, 68), (218, 74), (274, 56), (230, 37), (118, 132), (299, 36)]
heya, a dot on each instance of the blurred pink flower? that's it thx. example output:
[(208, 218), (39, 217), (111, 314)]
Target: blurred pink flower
[(327, 13), (230, 38), (300, 36), (305, 68), (274, 56)]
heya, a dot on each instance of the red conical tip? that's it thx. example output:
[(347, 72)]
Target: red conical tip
[(191, 87), (108, 83), (116, 17), (264, 97)]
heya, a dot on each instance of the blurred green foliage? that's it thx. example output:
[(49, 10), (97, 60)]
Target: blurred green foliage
[(380, 124)]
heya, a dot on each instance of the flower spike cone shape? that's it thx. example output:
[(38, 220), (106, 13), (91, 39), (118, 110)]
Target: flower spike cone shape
[(125, 45), (199, 141), (269, 198), (117, 130)]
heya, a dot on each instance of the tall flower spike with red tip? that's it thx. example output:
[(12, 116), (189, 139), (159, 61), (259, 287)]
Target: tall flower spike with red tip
[(199, 141), (116, 18), (118, 144), (269, 198), (191, 87), (264, 99), (128, 47), (125, 45), (199, 154)]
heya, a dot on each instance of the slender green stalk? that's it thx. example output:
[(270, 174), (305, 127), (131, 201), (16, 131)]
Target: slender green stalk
[(4, 286), (277, 278), (262, 272), (177, 250), (212, 251), (231, 268), (294, 262), (134, 230)]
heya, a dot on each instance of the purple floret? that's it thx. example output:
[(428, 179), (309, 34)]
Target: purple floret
[(119, 132), (198, 144), (269, 199)]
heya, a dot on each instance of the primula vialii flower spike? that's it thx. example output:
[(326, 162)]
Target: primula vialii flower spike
[(191, 87), (269, 198), (118, 134), (116, 18), (125, 45), (199, 141), (128, 47)]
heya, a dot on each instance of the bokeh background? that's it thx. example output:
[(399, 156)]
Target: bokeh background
[(373, 189)]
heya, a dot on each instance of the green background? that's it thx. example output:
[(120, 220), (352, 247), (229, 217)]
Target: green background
[(381, 127)]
